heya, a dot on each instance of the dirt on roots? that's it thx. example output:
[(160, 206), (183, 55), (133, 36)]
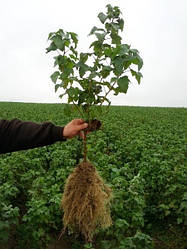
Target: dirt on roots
[(86, 201)]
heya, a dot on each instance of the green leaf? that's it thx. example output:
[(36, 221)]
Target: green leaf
[(70, 64), (62, 95), (134, 51), (61, 33), (121, 24), (74, 38), (82, 97), (116, 39), (82, 68), (51, 35), (57, 86), (137, 60), (109, 9), (140, 62), (58, 60), (101, 36), (83, 57), (102, 17), (73, 93), (121, 223), (121, 49), (185, 196), (97, 45), (95, 29), (116, 11), (137, 75), (108, 27), (123, 83), (73, 57), (93, 75), (179, 220), (66, 80), (118, 65), (59, 42), (108, 52), (52, 47), (115, 27), (126, 64), (74, 52), (124, 48), (55, 76), (82, 71), (106, 71)]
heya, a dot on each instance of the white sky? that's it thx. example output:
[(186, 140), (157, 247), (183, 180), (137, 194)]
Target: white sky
[(157, 28)]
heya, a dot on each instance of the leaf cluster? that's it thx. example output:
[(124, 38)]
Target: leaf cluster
[(88, 78)]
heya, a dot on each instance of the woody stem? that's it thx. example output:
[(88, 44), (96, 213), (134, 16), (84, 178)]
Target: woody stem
[(85, 147)]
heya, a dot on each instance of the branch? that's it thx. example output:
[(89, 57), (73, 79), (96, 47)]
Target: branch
[(108, 92), (78, 109)]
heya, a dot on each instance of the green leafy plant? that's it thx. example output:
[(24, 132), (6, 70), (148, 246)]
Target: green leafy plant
[(87, 78)]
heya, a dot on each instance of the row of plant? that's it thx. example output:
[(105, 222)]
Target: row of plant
[(139, 152)]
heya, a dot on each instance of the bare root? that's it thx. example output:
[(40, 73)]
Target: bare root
[(86, 201)]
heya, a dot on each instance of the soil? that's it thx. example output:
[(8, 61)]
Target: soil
[(93, 125)]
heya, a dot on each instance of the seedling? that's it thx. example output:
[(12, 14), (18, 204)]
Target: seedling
[(87, 79)]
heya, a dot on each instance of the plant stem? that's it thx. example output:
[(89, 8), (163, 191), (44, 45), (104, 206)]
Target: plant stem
[(108, 93), (78, 109), (85, 147)]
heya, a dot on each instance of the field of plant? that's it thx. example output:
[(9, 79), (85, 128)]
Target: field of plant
[(141, 153)]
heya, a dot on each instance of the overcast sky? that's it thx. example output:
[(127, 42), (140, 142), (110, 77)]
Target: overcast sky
[(157, 28)]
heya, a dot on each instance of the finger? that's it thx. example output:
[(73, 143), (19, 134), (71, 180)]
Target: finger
[(79, 121), (83, 126)]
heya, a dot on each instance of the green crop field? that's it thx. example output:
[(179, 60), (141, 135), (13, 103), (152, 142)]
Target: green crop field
[(141, 152)]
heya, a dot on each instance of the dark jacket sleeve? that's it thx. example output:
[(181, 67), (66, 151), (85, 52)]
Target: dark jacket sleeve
[(17, 135)]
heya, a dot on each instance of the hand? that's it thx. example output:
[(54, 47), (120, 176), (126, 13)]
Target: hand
[(74, 128)]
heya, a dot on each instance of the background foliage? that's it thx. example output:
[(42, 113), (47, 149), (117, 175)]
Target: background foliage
[(140, 152)]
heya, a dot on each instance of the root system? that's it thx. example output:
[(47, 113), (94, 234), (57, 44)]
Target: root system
[(86, 201)]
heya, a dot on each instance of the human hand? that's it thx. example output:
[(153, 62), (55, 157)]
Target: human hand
[(75, 128)]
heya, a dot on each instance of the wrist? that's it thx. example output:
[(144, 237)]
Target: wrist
[(64, 136)]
